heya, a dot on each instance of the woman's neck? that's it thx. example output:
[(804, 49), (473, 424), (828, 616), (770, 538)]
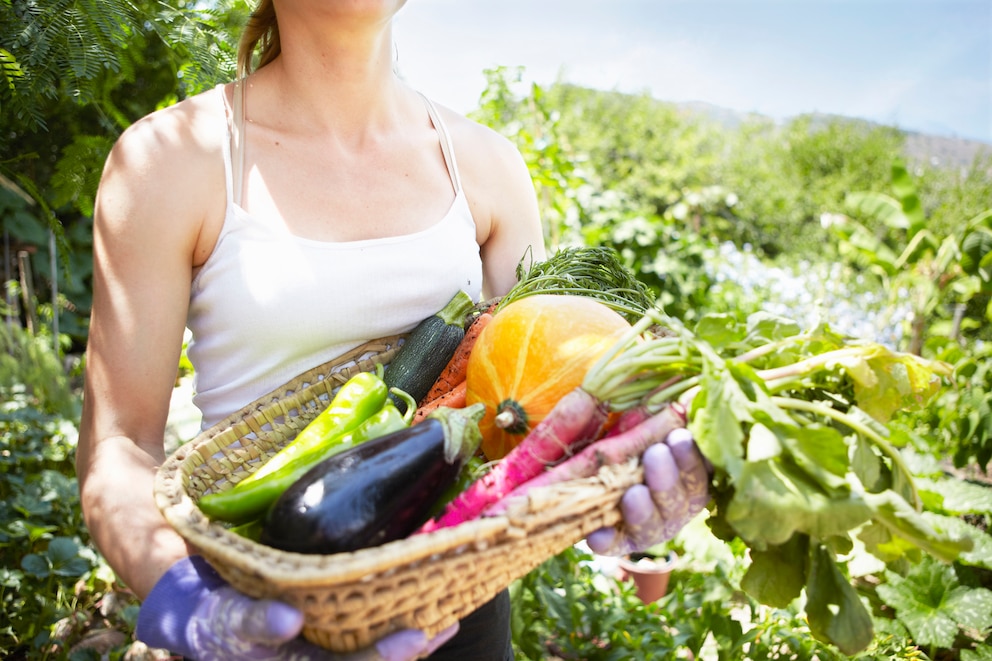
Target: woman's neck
[(336, 78)]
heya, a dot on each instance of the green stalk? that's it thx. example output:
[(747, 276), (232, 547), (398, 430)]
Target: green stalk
[(858, 428), (771, 347), (599, 374), (682, 390), (810, 364), (785, 383)]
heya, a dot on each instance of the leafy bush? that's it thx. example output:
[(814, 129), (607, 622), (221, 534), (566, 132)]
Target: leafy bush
[(568, 609), (31, 371), (55, 589)]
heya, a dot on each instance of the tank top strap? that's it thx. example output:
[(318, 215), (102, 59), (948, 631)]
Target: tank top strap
[(447, 147), (237, 140), (226, 152)]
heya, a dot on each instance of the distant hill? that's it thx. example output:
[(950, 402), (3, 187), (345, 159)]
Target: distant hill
[(937, 151)]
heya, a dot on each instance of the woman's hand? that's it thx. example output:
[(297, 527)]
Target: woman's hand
[(192, 611), (675, 489)]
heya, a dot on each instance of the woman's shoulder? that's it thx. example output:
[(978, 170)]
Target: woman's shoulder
[(475, 136), (182, 137), (500, 192), (483, 153), (171, 150)]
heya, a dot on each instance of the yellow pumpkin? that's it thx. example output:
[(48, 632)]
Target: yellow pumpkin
[(533, 352)]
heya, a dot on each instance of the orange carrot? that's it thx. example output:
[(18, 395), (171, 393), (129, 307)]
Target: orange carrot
[(455, 371), (454, 398)]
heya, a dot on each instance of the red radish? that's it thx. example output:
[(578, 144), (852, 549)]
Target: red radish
[(608, 451), (576, 418), (628, 420)]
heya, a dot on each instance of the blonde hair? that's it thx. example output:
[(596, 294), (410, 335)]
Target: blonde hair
[(261, 32)]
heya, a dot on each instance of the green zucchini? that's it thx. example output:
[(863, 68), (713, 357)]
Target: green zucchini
[(427, 349)]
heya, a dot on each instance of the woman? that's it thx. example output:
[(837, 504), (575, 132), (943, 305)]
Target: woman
[(316, 204)]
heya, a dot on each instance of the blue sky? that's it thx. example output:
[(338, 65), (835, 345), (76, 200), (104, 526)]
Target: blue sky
[(920, 65)]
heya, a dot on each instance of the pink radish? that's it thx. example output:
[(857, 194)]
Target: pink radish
[(577, 418), (610, 450)]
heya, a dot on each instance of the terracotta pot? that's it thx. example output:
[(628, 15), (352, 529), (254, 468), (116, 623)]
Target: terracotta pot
[(650, 575)]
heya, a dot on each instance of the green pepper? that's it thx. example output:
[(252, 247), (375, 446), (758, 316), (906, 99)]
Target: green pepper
[(251, 530), (246, 501), (360, 396)]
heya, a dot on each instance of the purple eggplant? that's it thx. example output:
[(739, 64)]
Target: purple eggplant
[(376, 492)]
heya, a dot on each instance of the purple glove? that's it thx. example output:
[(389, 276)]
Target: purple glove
[(192, 611), (675, 489)]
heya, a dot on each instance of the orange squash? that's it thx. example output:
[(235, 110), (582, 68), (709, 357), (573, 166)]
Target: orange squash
[(533, 352)]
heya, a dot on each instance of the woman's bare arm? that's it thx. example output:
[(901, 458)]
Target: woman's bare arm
[(503, 201), (153, 197)]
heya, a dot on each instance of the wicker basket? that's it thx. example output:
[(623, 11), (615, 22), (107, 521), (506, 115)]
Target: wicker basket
[(427, 581)]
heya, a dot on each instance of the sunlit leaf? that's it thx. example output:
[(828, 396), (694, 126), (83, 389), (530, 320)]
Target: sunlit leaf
[(774, 499), (933, 605), (904, 521), (878, 206), (905, 190), (885, 382)]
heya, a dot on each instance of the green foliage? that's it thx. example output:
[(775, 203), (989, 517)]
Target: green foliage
[(950, 194), (636, 147), (593, 271), (786, 177), (75, 74), (569, 609), (30, 371), (668, 259), (60, 47), (935, 607), (52, 579), (566, 609), (533, 124), (890, 239), (940, 277), (959, 423)]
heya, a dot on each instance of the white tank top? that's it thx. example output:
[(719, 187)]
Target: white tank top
[(268, 305)]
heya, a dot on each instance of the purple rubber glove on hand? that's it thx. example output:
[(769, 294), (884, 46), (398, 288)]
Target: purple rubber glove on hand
[(675, 489), (192, 611)]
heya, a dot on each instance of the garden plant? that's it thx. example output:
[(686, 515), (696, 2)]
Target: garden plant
[(818, 219)]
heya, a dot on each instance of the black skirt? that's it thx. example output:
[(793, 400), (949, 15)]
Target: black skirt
[(482, 636)]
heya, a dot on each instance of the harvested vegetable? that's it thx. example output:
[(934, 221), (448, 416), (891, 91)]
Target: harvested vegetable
[(594, 272), (532, 353), (376, 492), (794, 424), (428, 348), (615, 448), (249, 499), (357, 399), (454, 398), (455, 372), (575, 420)]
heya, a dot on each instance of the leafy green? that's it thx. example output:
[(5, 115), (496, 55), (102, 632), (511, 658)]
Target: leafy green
[(795, 426), (835, 611), (772, 577)]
